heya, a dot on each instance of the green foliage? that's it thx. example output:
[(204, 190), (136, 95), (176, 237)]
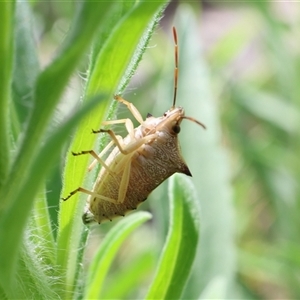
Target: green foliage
[(41, 143), (107, 252), (179, 251), (231, 231), (260, 117)]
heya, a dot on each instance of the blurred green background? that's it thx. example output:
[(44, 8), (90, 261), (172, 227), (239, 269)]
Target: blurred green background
[(239, 75)]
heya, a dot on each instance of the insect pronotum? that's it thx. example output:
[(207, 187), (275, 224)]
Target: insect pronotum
[(138, 163)]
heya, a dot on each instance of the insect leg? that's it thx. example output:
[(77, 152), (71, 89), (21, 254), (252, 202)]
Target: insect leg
[(85, 191), (131, 107), (132, 146), (97, 158), (80, 189), (128, 124), (102, 153), (124, 182)]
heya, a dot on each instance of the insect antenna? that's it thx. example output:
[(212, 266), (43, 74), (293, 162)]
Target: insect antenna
[(194, 120), (176, 66)]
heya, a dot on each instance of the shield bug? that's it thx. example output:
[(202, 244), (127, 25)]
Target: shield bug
[(138, 163)]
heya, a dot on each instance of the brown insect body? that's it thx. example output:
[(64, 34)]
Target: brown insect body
[(138, 163), (150, 164)]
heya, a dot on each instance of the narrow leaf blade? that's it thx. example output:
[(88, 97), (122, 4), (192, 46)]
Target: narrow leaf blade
[(180, 248), (107, 251)]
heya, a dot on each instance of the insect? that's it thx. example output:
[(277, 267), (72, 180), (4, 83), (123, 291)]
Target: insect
[(138, 163)]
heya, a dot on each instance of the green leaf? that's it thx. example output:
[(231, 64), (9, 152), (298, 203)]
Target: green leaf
[(26, 67), (25, 72), (8, 227), (48, 91), (17, 195), (181, 244), (269, 107), (132, 32), (41, 230), (107, 252), (6, 58), (208, 162), (135, 272)]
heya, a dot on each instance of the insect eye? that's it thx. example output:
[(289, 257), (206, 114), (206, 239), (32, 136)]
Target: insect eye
[(176, 128), (165, 114)]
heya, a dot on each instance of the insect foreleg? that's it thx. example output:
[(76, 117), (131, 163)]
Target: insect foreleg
[(131, 107)]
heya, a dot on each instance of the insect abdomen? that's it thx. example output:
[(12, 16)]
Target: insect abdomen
[(151, 164)]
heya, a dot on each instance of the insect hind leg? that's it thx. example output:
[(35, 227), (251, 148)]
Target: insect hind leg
[(80, 189), (93, 194)]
